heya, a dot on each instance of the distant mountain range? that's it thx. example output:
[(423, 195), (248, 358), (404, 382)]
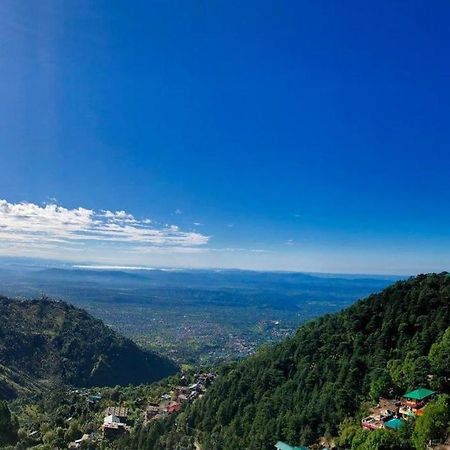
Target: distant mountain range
[(45, 343), (206, 279), (160, 308)]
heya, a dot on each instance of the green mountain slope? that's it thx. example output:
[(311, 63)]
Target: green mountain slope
[(304, 387), (43, 343)]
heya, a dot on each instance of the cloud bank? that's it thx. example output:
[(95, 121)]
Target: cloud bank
[(32, 227), (103, 238)]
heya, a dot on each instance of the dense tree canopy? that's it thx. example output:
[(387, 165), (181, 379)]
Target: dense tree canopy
[(440, 361), (53, 342), (434, 424), (8, 425), (305, 386)]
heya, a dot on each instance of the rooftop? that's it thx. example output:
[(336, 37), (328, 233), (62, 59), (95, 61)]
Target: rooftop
[(419, 394), (119, 411), (394, 424), (111, 419)]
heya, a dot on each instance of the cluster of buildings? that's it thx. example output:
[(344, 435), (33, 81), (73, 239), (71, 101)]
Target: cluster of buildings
[(90, 398), (114, 425), (115, 418), (171, 402), (391, 414)]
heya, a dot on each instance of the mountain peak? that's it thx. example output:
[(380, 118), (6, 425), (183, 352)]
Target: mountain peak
[(43, 342)]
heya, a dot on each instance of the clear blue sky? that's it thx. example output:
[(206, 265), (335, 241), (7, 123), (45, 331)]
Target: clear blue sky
[(304, 135)]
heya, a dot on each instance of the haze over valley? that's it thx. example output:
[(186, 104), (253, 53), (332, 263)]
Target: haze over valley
[(192, 316)]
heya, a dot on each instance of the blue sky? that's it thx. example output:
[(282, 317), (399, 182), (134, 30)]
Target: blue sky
[(302, 135)]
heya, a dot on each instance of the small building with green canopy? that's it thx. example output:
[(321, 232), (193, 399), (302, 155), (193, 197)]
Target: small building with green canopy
[(283, 446), (419, 395), (414, 401)]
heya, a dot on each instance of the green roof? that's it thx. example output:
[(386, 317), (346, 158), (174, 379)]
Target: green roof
[(394, 424), (419, 394), (283, 446)]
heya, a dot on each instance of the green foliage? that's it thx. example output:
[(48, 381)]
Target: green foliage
[(434, 424), (44, 341), (61, 416), (158, 435), (347, 431), (439, 358), (304, 387), (8, 425), (73, 432), (380, 384), (410, 372), (377, 440), (298, 390)]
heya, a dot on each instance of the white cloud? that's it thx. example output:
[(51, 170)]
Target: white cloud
[(110, 267), (109, 238), (32, 226)]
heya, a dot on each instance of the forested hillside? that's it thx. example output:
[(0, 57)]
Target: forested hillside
[(317, 383), (44, 343), (305, 387)]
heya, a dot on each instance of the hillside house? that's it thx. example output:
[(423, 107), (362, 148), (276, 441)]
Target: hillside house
[(163, 407), (196, 387), (179, 390), (111, 419), (418, 397), (391, 413), (384, 411), (193, 395), (113, 427), (372, 423), (118, 411), (173, 407), (413, 402), (206, 378), (384, 415), (151, 411), (94, 398)]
